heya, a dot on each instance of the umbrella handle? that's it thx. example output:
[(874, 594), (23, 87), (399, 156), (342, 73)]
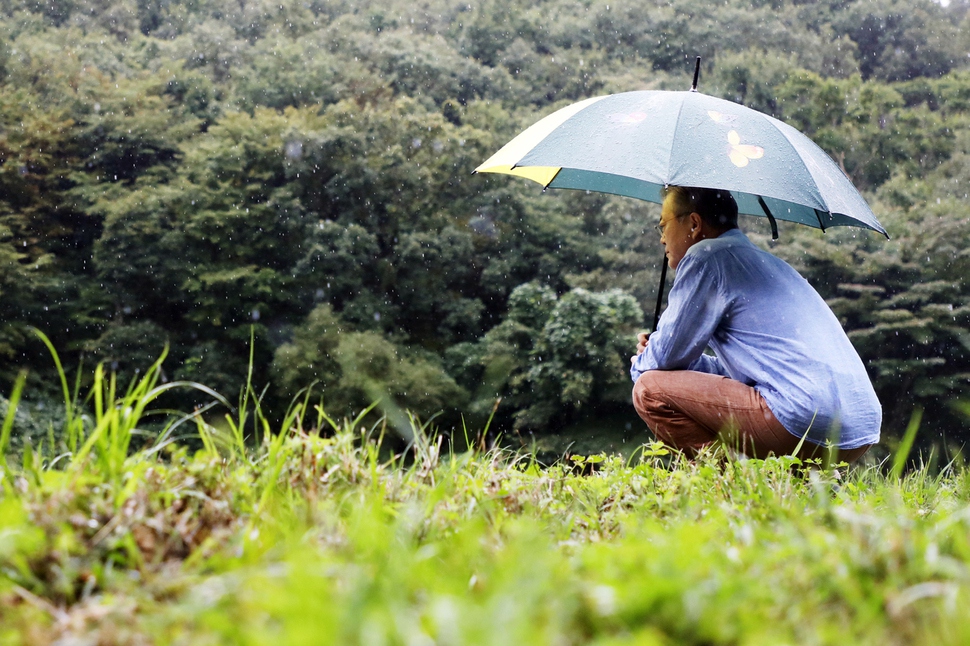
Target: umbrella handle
[(660, 294)]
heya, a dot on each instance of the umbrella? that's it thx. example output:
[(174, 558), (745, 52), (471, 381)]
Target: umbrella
[(636, 143)]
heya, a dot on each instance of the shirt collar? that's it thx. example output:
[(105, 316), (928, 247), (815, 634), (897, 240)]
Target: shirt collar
[(730, 238)]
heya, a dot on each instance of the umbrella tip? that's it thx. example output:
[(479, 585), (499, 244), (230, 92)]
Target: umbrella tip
[(697, 72)]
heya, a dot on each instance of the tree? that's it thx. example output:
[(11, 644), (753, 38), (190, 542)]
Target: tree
[(865, 126), (354, 369), (552, 358), (207, 254), (900, 40)]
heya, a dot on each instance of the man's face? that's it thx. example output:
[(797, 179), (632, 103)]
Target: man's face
[(675, 233)]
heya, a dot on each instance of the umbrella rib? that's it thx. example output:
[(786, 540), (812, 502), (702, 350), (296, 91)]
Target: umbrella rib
[(771, 218), (552, 179), (819, 217), (771, 121), (670, 152)]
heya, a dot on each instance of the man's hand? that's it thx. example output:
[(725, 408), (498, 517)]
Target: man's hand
[(642, 340)]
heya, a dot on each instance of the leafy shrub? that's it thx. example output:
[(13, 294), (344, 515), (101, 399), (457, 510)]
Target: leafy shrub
[(353, 369), (552, 357)]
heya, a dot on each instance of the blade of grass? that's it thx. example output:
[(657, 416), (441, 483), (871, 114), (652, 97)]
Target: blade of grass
[(73, 425), (906, 445), (8, 419)]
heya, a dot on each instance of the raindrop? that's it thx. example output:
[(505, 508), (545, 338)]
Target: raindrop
[(294, 149)]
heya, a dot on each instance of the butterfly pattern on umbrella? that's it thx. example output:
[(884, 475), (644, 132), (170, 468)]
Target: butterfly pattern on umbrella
[(741, 154)]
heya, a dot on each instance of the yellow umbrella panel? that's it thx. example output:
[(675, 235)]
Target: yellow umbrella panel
[(505, 160)]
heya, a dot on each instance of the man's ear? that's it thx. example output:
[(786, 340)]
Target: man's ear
[(696, 223)]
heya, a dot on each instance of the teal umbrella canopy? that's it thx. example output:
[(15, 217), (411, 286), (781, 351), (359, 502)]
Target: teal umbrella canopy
[(635, 143)]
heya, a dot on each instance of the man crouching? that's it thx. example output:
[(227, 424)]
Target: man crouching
[(783, 368)]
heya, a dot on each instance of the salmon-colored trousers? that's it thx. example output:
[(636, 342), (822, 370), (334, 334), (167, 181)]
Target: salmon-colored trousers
[(690, 410)]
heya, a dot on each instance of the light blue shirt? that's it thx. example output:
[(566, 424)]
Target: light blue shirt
[(768, 329)]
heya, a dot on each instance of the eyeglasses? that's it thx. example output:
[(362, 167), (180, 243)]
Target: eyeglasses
[(663, 225)]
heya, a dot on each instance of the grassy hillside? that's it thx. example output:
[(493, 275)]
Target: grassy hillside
[(314, 535)]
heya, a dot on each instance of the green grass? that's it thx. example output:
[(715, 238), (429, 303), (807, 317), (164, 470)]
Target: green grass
[(310, 536)]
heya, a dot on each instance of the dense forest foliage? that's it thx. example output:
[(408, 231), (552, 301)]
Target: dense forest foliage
[(200, 173)]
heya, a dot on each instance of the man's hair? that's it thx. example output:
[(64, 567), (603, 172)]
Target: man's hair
[(715, 206)]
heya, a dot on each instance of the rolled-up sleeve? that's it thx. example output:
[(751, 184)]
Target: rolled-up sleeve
[(695, 306)]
